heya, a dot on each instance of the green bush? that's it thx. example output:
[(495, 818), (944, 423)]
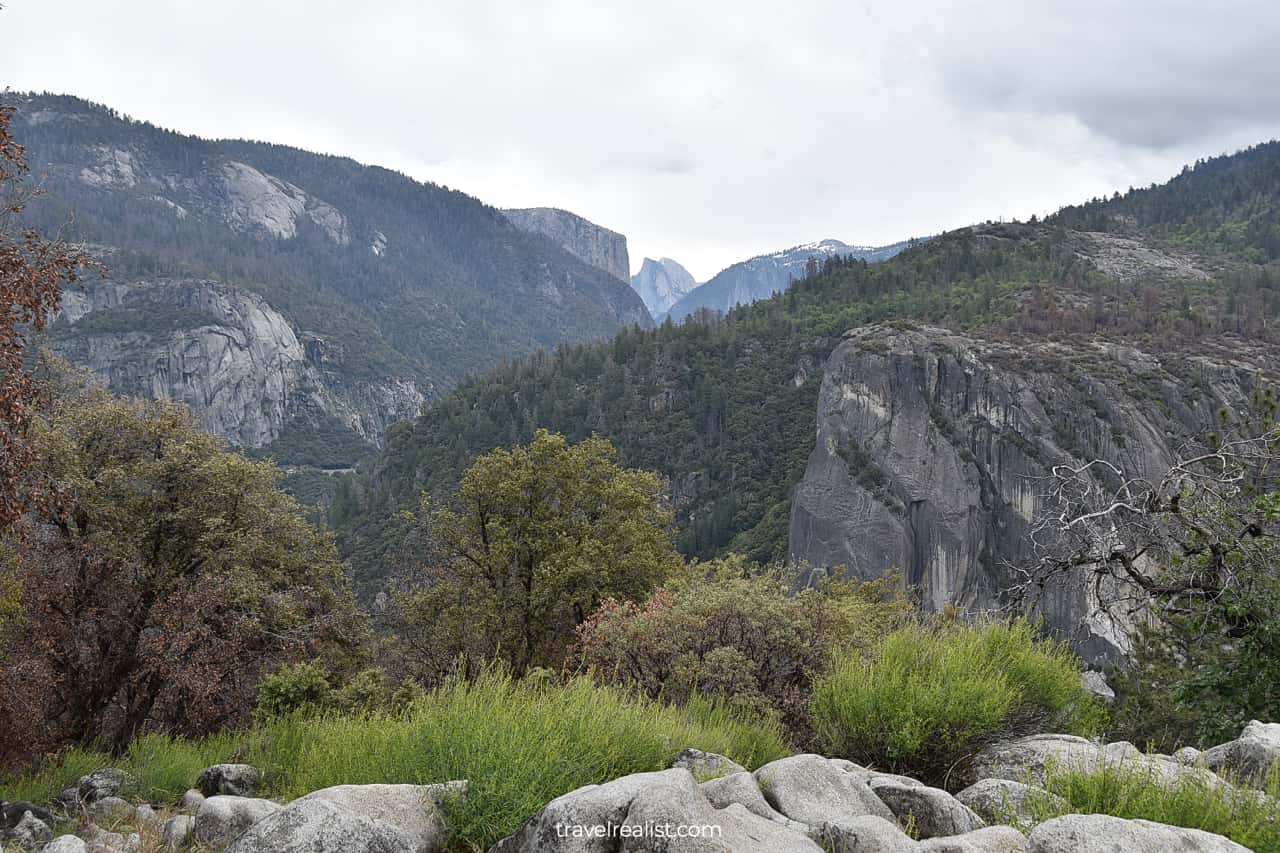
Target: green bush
[(518, 744), (732, 629), (929, 695), (1128, 793)]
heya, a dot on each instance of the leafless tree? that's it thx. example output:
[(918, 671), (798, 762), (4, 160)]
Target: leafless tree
[(1204, 530)]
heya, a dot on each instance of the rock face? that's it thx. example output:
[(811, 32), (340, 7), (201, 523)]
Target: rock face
[(225, 352), (319, 825), (625, 814), (1007, 801), (222, 818), (1104, 834), (762, 276), (930, 443), (661, 284), (238, 780), (1031, 757), (1249, 757), (595, 244), (934, 811), (813, 790), (413, 810)]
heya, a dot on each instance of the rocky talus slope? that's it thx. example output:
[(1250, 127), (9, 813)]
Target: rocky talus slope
[(933, 448), (705, 803)]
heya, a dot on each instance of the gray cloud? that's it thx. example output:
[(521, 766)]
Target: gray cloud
[(705, 131)]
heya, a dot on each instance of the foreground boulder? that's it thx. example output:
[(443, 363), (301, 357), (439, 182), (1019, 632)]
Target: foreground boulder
[(30, 833), (871, 834), (66, 844), (1006, 801), (1249, 757), (414, 810), (742, 789), (107, 782), (865, 834), (813, 790), (706, 765), (933, 811), (176, 831), (1029, 758), (990, 839), (236, 780), (221, 818), (645, 813), (1097, 833), (320, 826)]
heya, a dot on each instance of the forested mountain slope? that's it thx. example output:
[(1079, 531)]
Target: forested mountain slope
[(295, 300), (726, 407)]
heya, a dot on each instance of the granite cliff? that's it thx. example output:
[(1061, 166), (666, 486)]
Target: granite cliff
[(596, 245), (661, 284), (933, 447)]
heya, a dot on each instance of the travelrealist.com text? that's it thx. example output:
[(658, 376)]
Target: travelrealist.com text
[(637, 830)]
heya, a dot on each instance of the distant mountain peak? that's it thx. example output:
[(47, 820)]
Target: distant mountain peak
[(661, 284), (764, 275)]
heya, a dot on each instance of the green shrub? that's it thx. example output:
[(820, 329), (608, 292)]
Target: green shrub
[(929, 695), (1129, 793), (295, 687), (731, 629), (518, 744)]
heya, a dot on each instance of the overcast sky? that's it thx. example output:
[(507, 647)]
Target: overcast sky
[(705, 131)]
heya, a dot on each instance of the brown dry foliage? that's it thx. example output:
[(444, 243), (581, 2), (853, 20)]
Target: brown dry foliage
[(32, 271)]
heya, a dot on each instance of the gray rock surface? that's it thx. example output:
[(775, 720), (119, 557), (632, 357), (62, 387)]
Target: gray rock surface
[(415, 810), (1104, 834), (66, 844), (706, 765), (930, 443), (106, 782), (865, 834), (30, 833), (667, 798), (661, 284), (110, 809), (192, 800), (812, 790), (1188, 755), (1096, 683), (990, 839), (231, 356), (933, 811), (594, 244), (222, 818), (741, 788), (1029, 758), (237, 780), (1006, 801), (1249, 757), (320, 826), (176, 831)]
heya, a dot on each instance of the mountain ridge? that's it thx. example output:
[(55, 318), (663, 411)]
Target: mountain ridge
[(392, 289)]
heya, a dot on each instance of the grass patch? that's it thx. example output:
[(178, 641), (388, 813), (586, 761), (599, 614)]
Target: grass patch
[(519, 745), (1239, 814), (927, 695)]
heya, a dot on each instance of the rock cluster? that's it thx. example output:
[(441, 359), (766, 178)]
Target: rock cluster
[(705, 803)]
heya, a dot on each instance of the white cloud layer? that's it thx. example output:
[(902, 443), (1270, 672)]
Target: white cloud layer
[(706, 131)]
